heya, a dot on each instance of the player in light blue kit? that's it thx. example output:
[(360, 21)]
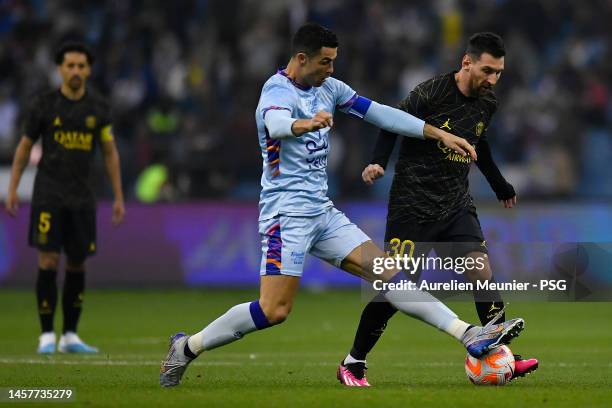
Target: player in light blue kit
[(294, 117)]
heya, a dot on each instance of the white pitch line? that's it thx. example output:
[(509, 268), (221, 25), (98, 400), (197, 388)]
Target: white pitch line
[(31, 361), (105, 362)]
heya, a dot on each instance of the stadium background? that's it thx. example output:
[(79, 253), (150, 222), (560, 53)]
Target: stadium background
[(184, 78)]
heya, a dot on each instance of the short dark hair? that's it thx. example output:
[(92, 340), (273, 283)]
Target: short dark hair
[(311, 37), (490, 43), (73, 47)]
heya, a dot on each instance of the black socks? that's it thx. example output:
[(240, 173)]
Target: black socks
[(373, 322), (72, 299), (46, 297)]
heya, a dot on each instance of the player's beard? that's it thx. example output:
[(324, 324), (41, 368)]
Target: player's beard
[(75, 83), (484, 88)]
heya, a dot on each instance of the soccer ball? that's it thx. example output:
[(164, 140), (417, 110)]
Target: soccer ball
[(494, 368)]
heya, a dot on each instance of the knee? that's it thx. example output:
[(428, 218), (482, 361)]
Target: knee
[(276, 312), (48, 260)]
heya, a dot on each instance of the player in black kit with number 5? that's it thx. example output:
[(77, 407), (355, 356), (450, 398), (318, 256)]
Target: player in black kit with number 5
[(71, 123), (430, 205)]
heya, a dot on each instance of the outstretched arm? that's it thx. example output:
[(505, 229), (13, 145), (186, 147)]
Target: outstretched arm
[(402, 123)]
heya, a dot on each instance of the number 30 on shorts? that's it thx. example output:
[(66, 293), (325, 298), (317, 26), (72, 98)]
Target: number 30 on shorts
[(397, 247), (44, 222)]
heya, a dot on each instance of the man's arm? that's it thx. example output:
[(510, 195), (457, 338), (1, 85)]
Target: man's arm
[(394, 120), (383, 148), (30, 129), (502, 189), (416, 105), (111, 162), (281, 125), (397, 121), (20, 161), (319, 121), (382, 151)]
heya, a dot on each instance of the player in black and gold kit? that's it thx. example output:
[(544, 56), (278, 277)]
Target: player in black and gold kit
[(71, 123), (430, 205)]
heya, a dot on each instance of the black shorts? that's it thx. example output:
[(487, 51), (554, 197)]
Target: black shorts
[(56, 229), (455, 236)]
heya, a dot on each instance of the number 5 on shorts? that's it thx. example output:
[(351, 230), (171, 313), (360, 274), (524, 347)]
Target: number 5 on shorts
[(44, 223)]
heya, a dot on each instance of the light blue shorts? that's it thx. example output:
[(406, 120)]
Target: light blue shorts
[(285, 240)]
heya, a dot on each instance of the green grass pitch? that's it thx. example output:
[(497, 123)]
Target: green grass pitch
[(294, 364)]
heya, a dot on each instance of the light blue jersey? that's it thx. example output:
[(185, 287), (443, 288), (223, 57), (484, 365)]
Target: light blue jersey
[(295, 215), (294, 179)]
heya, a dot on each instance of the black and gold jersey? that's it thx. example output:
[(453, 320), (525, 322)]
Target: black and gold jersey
[(431, 180), (70, 132)]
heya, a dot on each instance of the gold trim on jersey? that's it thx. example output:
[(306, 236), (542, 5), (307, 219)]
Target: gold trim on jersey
[(106, 134), (57, 121)]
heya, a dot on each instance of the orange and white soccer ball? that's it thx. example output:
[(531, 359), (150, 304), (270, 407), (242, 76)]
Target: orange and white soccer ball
[(494, 368)]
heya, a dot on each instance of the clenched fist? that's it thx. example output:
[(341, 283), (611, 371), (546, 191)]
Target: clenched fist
[(371, 173)]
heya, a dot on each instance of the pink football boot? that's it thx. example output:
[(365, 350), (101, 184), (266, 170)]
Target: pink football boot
[(353, 375), (523, 367)]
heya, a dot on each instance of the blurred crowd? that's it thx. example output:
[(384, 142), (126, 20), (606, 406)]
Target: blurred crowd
[(184, 78)]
